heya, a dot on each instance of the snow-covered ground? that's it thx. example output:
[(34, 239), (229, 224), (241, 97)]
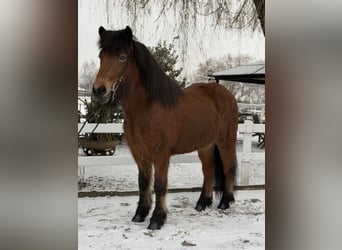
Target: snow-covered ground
[(105, 223)]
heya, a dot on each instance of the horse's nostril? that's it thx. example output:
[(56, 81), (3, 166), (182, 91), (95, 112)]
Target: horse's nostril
[(100, 91)]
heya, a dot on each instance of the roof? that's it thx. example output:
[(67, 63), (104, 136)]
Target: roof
[(249, 73)]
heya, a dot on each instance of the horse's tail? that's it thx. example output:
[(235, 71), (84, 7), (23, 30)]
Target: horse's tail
[(220, 178)]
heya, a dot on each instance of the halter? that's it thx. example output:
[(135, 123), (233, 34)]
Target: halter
[(117, 82), (115, 87)]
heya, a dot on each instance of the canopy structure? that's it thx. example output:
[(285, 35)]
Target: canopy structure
[(248, 73)]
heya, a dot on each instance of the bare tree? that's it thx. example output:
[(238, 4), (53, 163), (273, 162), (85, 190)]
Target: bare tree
[(88, 75), (225, 62), (260, 9), (230, 13), (188, 17)]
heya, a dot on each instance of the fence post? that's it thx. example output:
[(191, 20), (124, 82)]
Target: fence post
[(246, 152)]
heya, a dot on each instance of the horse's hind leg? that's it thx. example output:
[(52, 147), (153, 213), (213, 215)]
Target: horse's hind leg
[(145, 200), (228, 157), (208, 168)]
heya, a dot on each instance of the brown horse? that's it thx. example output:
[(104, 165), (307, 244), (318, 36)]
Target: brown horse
[(162, 120)]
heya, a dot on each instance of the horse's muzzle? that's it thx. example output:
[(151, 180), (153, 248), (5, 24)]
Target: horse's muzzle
[(100, 93)]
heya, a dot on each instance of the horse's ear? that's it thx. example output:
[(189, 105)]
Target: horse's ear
[(129, 33), (101, 31)]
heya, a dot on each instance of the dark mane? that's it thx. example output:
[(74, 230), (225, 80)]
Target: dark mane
[(159, 85)]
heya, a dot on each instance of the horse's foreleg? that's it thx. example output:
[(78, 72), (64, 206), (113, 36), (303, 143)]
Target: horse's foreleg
[(208, 168), (145, 199), (160, 187)]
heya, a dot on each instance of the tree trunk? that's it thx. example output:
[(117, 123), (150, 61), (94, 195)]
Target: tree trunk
[(260, 9)]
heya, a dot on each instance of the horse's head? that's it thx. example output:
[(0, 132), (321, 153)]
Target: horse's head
[(116, 50)]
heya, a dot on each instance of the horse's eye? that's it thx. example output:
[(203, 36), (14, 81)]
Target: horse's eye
[(122, 57)]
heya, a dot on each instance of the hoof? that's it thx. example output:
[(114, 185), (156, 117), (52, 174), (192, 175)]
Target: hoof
[(140, 214), (200, 207), (203, 202), (223, 206), (155, 225), (226, 200), (138, 218)]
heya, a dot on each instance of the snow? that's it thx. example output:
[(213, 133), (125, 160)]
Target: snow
[(105, 223)]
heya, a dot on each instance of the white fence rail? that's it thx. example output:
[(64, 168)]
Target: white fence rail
[(246, 156), (253, 108)]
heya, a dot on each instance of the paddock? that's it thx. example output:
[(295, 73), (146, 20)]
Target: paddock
[(182, 112)]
